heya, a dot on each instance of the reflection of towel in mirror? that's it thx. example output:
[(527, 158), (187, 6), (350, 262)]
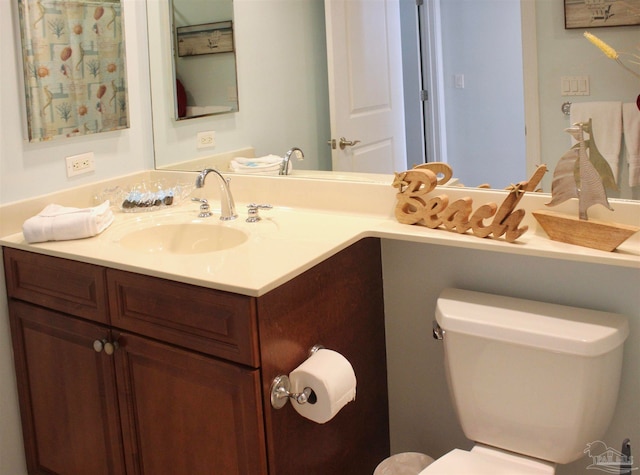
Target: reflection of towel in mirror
[(59, 223), (631, 124), (607, 128), (267, 165)]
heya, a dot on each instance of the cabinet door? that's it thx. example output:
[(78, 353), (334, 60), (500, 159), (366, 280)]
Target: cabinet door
[(67, 394), (187, 413)]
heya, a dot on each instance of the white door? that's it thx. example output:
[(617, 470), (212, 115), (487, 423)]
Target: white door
[(365, 85)]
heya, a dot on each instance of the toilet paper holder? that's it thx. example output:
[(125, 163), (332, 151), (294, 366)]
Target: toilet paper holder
[(281, 389)]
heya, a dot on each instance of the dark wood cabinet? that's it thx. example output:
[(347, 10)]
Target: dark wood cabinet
[(126, 373), (210, 321), (69, 404), (186, 413)]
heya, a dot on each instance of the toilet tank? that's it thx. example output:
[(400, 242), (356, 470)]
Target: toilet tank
[(532, 378)]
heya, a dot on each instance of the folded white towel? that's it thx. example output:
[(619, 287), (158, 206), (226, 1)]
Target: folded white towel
[(59, 223), (606, 120), (267, 165), (631, 124)]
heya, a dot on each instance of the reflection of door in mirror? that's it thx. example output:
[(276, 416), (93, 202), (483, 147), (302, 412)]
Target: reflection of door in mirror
[(204, 58), (368, 112)]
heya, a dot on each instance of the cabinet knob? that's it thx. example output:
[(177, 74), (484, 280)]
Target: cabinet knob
[(110, 347), (106, 345), (98, 345)]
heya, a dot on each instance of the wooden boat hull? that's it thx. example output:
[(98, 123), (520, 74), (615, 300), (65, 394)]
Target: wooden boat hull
[(592, 233)]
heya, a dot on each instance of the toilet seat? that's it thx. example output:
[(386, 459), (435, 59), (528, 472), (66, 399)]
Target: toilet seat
[(487, 461)]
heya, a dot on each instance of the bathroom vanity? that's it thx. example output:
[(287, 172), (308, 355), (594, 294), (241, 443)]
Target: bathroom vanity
[(120, 372), (136, 362)]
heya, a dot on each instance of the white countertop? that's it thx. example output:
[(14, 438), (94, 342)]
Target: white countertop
[(282, 245), (311, 220)]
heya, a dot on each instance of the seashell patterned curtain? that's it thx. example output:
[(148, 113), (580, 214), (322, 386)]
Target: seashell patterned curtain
[(74, 67)]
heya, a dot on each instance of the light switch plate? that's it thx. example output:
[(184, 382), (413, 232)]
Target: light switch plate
[(575, 86)]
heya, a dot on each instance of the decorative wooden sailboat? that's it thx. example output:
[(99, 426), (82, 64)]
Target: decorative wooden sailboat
[(584, 177)]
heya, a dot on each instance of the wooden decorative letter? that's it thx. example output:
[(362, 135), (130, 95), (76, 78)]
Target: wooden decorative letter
[(456, 216), (414, 207), (413, 185), (477, 220)]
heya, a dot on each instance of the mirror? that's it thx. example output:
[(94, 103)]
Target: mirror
[(284, 88), (282, 82), (204, 59), (74, 68)]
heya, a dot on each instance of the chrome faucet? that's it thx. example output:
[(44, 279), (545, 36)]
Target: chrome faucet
[(284, 166), (227, 206)]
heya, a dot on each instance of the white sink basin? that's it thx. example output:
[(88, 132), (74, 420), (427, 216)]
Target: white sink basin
[(183, 238)]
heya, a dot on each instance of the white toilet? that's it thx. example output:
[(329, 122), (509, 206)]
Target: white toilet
[(532, 382)]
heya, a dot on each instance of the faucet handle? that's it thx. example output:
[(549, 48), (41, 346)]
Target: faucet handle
[(205, 211), (253, 211)]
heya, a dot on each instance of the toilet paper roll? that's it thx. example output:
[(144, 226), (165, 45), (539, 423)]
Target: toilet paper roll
[(332, 379)]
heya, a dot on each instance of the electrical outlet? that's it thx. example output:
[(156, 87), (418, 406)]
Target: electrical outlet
[(206, 139), (79, 164)]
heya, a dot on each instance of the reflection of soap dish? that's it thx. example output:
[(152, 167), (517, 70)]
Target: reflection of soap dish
[(137, 199), (145, 196)]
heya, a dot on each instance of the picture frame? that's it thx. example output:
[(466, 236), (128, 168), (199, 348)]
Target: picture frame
[(207, 38), (601, 13)]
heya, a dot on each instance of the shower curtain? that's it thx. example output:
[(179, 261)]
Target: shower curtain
[(74, 67)]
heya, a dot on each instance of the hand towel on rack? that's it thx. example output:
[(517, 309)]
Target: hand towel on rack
[(606, 120), (60, 223), (631, 126), (267, 165)]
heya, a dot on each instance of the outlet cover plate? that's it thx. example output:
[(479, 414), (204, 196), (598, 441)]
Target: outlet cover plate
[(206, 139), (79, 164)]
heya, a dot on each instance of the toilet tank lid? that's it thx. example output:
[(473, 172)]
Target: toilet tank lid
[(549, 326)]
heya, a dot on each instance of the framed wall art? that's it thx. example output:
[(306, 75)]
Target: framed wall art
[(599, 13), (209, 38)]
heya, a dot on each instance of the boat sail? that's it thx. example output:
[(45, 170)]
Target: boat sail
[(584, 177), (580, 176)]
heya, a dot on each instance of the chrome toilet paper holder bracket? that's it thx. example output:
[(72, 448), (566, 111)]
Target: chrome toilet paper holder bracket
[(281, 392), (281, 389)]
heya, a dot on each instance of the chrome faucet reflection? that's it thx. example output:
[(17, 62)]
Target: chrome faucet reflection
[(227, 206), (284, 166)]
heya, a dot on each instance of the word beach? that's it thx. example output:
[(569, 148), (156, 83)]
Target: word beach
[(414, 207)]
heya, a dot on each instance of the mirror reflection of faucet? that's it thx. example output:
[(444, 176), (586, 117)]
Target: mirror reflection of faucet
[(284, 166), (227, 205)]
